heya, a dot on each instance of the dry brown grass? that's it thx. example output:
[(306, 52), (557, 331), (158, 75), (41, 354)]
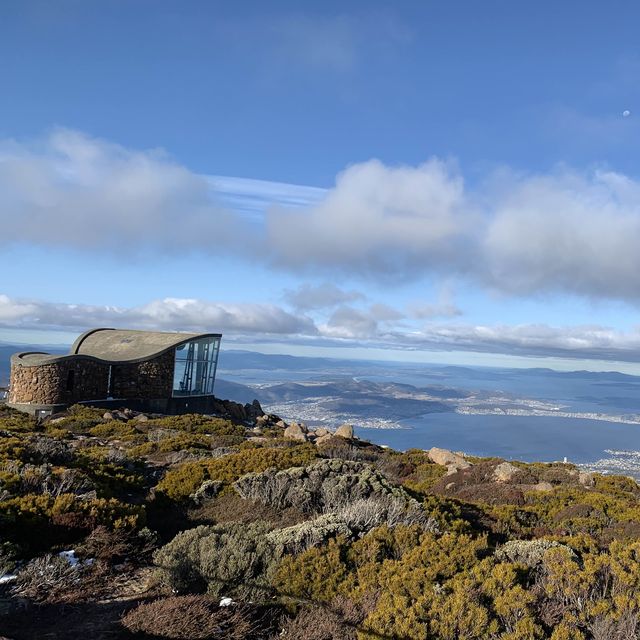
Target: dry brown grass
[(192, 618)]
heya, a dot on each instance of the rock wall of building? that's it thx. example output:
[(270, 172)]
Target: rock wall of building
[(150, 379), (77, 379), (63, 382)]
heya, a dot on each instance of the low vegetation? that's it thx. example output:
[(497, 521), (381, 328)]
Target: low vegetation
[(168, 518)]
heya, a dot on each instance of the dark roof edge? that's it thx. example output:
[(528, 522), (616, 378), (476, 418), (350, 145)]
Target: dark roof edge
[(46, 358)]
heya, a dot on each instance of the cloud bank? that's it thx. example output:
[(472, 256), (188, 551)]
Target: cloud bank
[(562, 232), (169, 314), (346, 326), (308, 297), (77, 191)]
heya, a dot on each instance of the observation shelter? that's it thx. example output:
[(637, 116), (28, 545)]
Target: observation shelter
[(151, 371)]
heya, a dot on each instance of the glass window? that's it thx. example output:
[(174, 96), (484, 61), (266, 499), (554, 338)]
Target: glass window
[(195, 367)]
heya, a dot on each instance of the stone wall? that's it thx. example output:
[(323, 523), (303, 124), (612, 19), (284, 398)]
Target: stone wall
[(51, 383), (150, 379)]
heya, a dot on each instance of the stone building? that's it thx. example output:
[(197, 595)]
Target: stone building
[(143, 370)]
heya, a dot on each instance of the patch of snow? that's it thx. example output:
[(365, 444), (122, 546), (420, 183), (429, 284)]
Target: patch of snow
[(69, 556), (225, 602)]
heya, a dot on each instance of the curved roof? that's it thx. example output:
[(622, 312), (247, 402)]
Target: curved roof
[(115, 346), (126, 345)]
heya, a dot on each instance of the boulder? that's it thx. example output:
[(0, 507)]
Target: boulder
[(345, 431), (326, 438), (294, 432), (107, 415), (253, 410), (586, 479), (505, 472), (322, 432), (141, 418), (542, 486), (447, 458)]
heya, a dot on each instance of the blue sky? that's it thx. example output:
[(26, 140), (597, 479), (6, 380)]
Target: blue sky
[(436, 181)]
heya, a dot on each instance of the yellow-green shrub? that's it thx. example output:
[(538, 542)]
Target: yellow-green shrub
[(114, 429), (180, 442), (38, 521), (179, 483)]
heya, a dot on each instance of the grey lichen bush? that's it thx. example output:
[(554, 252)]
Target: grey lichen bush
[(44, 449), (44, 579), (312, 533), (233, 560), (337, 447), (363, 515), (324, 486), (208, 490), (45, 479), (529, 552), (352, 521)]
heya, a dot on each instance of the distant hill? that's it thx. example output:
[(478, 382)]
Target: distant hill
[(236, 359), (227, 390)]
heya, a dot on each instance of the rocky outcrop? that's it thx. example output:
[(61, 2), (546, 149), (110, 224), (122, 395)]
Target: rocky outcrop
[(453, 461), (345, 431), (505, 472), (295, 431), (586, 479), (237, 412)]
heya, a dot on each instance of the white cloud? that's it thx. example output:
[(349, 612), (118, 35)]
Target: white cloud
[(172, 314), (347, 322), (12, 311), (378, 220), (566, 232), (346, 325), (73, 190), (365, 324), (563, 231), (581, 342), (308, 297)]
